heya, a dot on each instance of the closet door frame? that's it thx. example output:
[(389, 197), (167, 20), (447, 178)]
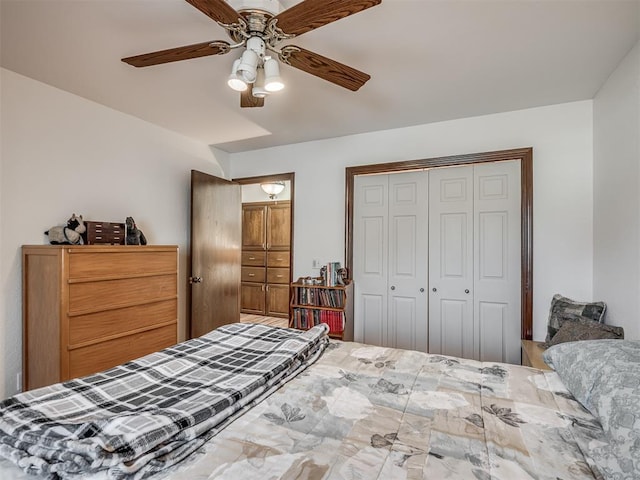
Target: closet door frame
[(524, 155)]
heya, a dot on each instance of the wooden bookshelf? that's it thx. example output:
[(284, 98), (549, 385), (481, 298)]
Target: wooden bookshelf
[(315, 304)]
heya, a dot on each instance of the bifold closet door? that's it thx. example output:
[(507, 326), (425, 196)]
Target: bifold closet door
[(407, 316), (370, 259), (474, 261), (497, 261), (390, 266), (451, 327)]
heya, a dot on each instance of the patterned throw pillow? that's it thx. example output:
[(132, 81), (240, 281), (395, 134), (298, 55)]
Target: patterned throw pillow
[(563, 309), (583, 328)]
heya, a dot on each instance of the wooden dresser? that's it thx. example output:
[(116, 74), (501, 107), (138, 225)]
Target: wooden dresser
[(88, 308), (266, 234)]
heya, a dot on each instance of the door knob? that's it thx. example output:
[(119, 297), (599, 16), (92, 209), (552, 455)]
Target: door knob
[(422, 290), (195, 280), (466, 290), (393, 287)]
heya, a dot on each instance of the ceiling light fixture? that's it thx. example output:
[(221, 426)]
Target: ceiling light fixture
[(235, 82), (272, 80), (272, 188), (255, 68)]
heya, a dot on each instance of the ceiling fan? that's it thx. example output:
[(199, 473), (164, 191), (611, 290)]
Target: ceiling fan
[(259, 28)]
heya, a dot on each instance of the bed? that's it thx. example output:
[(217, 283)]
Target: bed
[(331, 410)]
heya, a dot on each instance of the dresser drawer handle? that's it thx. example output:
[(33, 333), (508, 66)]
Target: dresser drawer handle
[(279, 276), (252, 258), (252, 274)]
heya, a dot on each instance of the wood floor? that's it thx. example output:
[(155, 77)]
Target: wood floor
[(273, 321)]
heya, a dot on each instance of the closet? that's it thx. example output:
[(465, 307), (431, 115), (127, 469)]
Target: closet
[(436, 260)]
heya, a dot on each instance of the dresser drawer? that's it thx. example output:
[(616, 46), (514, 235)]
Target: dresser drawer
[(100, 356), (278, 259), (96, 296), (94, 326), (253, 259), (137, 261), (253, 274), (277, 275)]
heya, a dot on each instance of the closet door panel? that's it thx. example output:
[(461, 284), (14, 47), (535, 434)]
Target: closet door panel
[(370, 241), (493, 320), (373, 309), (407, 319), (497, 308), (454, 321), (401, 332), (451, 324)]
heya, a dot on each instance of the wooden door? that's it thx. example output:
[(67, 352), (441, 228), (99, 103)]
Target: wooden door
[(253, 298), (279, 226), (451, 327), (407, 270), (254, 219), (216, 225), (278, 300)]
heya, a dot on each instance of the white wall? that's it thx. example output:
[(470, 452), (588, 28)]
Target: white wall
[(63, 154), (616, 140), (561, 137)]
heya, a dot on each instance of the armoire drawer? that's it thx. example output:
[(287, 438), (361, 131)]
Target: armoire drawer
[(277, 275), (278, 259), (253, 259), (253, 274)]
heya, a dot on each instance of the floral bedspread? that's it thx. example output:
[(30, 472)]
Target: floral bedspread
[(365, 413)]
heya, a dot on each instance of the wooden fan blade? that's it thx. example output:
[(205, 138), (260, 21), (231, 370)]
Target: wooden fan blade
[(218, 10), (323, 67), (310, 14), (179, 53), (247, 100)]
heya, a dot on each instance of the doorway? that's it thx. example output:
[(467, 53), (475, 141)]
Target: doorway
[(267, 246)]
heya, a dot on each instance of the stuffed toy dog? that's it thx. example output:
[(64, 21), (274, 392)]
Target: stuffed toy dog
[(70, 234), (134, 234)]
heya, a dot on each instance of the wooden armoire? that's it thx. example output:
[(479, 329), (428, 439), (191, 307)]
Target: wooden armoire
[(266, 258)]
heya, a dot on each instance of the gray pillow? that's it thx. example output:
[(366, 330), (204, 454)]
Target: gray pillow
[(604, 376), (563, 308), (582, 328)]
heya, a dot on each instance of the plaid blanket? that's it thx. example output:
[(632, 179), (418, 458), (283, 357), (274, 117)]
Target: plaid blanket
[(146, 415)]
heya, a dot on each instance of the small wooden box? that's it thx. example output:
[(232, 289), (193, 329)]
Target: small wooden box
[(104, 233)]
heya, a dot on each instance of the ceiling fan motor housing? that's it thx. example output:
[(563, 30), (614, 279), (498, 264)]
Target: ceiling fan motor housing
[(272, 7)]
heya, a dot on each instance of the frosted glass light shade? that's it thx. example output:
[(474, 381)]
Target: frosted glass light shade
[(273, 188)]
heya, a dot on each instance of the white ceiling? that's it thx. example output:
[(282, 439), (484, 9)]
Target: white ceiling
[(430, 60)]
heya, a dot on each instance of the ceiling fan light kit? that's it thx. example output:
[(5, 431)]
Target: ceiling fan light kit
[(259, 26), (234, 81), (272, 80)]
